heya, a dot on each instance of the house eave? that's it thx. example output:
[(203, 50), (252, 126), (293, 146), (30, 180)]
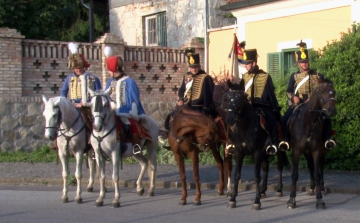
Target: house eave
[(244, 4)]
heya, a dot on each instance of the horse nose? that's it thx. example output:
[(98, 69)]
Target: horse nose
[(331, 112)]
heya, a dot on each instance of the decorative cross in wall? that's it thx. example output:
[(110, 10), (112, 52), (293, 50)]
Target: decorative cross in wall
[(148, 67), (54, 64), (155, 78), (149, 89), (55, 88), (135, 67), (37, 64), (142, 77), (162, 67), (175, 68), (62, 76), (162, 89), (175, 89), (46, 76), (37, 88), (168, 78)]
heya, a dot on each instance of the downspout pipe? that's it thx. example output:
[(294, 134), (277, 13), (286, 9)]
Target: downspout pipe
[(91, 19)]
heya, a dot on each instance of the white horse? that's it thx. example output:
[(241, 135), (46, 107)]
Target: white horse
[(63, 122), (105, 145)]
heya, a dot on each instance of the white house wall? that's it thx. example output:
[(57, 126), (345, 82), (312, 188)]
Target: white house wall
[(185, 19)]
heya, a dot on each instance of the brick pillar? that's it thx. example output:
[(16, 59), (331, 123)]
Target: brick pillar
[(199, 48), (117, 46), (10, 62)]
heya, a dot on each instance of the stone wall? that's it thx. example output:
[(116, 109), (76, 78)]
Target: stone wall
[(22, 125), (32, 68)]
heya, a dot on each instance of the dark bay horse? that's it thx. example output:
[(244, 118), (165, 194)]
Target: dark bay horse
[(306, 126), (249, 138), (192, 132)]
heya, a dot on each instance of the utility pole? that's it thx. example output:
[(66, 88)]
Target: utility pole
[(91, 19), (206, 16)]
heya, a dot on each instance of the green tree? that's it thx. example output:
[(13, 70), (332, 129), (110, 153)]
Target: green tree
[(64, 20), (339, 61)]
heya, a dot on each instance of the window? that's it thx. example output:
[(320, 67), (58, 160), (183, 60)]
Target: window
[(281, 64), (155, 30)]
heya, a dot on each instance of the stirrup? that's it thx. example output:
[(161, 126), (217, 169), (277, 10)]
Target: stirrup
[(230, 149), (284, 146), (330, 144), (136, 149), (268, 150)]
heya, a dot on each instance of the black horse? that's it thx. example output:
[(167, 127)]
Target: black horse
[(306, 126), (250, 138)]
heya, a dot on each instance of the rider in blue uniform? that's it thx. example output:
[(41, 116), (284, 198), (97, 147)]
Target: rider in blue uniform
[(126, 94), (76, 84)]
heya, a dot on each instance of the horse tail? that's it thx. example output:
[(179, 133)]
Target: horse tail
[(167, 122), (283, 158)]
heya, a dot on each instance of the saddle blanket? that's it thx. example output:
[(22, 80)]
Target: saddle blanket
[(136, 128)]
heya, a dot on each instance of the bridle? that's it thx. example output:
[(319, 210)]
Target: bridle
[(59, 122)]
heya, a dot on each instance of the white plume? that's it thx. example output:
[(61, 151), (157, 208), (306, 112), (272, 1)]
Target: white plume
[(73, 47), (107, 51)]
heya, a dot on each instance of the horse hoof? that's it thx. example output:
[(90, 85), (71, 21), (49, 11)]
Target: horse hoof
[(279, 194), (291, 206), (182, 202), (115, 204), (220, 193), (232, 204), (197, 203), (263, 195), (141, 192), (64, 200), (90, 189), (78, 200), (256, 207), (310, 192), (320, 206), (99, 203), (151, 194)]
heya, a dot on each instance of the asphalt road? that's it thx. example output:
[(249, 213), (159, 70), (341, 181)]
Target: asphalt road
[(42, 204)]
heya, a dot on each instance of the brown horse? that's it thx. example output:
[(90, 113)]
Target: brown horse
[(192, 132), (306, 126)]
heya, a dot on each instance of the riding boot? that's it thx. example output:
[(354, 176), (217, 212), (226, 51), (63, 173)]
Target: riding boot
[(272, 149), (135, 139), (163, 139), (327, 134), (284, 145)]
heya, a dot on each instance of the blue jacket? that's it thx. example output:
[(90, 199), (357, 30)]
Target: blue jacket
[(75, 87), (127, 96)]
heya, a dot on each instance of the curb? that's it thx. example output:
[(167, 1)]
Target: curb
[(244, 186)]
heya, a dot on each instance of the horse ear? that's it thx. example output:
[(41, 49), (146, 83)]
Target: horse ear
[(107, 92), (44, 99)]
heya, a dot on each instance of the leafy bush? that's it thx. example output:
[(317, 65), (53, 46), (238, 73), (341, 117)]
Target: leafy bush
[(339, 61)]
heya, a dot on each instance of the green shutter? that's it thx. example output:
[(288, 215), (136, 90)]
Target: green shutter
[(275, 67), (161, 29)]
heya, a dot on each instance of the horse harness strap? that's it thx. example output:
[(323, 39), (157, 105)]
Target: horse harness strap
[(100, 138)]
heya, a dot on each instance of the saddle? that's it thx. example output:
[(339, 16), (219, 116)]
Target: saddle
[(136, 129)]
